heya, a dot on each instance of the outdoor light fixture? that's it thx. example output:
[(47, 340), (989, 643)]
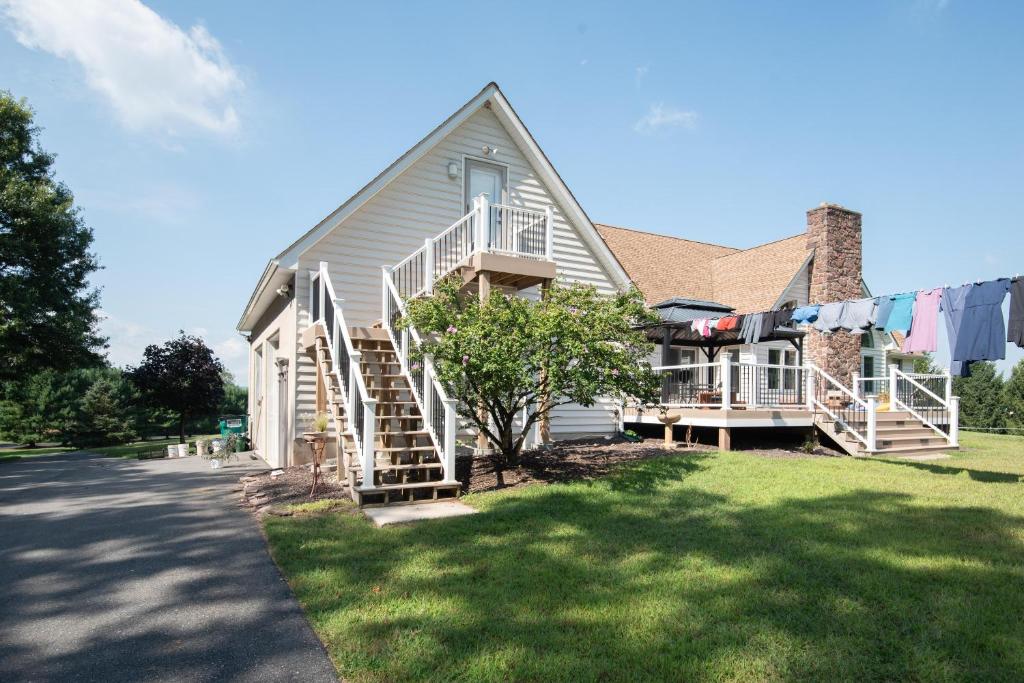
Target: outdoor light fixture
[(453, 170), (488, 150)]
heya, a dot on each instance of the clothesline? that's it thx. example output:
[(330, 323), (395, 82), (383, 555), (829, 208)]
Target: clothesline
[(973, 316)]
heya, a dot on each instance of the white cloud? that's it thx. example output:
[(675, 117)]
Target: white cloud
[(660, 116), (154, 74)]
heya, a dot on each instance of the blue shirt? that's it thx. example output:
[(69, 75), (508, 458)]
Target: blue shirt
[(902, 313)]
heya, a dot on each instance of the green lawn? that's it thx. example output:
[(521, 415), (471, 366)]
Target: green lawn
[(132, 450), (19, 453), (721, 566)]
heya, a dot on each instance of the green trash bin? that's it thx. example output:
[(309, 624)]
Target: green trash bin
[(237, 425)]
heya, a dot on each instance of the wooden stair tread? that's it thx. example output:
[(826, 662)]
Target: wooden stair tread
[(412, 485), (414, 466), (404, 449)]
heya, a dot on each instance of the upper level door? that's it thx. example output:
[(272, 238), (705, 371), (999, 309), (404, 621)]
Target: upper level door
[(485, 178)]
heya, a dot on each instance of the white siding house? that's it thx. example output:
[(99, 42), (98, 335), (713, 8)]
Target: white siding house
[(416, 198)]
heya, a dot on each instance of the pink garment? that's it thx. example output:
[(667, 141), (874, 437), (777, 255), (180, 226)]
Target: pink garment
[(922, 335), (698, 324)]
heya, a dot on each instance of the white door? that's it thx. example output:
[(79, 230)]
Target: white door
[(484, 178), (272, 404)]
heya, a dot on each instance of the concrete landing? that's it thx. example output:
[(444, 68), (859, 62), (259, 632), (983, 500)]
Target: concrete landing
[(401, 514)]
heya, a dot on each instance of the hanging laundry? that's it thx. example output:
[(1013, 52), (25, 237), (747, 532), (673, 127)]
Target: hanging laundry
[(1015, 330), (902, 314), (709, 328), (806, 314), (751, 330), (982, 332), (858, 316), (953, 301), (923, 334), (697, 325), (727, 323), (829, 316), (884, 304)]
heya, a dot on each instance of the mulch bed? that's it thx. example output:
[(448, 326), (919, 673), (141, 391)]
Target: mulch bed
[(292, 485), (566, 461)]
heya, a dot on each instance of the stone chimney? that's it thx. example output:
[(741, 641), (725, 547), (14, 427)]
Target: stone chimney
[(834, 234)]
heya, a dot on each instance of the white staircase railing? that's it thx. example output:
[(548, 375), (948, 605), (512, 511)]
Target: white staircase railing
[(495, 228), (438, 410), (911, 392), (361, 409), (859, 417)]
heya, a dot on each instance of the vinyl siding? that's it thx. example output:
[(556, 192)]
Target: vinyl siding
[(420, 203), (279, 322)]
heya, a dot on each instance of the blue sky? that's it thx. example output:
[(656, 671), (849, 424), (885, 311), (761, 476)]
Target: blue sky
[(201, 138)]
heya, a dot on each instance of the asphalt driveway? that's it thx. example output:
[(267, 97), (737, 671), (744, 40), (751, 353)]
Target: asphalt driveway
[(117, 570)]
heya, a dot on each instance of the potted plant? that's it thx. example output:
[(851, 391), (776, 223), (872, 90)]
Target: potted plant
[(883, 401), (316, 437), (222, 451)]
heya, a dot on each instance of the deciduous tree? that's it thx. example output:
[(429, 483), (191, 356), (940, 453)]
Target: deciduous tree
[(182, 376), (509, 353)]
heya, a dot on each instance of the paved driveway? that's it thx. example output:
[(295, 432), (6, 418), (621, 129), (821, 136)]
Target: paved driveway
[(115, 570)]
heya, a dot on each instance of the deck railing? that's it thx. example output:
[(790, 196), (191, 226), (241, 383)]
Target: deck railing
[(850, 413), (929, 398), (728, 384), (495, 228), (437, 409), (361, 409)]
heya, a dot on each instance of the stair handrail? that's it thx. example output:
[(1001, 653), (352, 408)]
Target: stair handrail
[(360, 407), (441, 428), (869, 439), (950, 404)]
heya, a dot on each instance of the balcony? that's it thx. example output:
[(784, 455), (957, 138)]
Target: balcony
[(512, 245)]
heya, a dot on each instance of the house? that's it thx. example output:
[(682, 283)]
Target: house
[(478, 197)]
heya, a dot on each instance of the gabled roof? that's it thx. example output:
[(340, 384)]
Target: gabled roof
[(743, 279), (514, 126), (753, 279), (663, 267)]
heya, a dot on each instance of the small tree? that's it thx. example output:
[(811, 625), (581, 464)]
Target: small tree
[(181, 376), (981, 395), (105, 415), (510, 353), (1013, 392)]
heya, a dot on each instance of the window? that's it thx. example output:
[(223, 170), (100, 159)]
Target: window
[(867, 340), (774, 358), (789, 376), (867, 369)]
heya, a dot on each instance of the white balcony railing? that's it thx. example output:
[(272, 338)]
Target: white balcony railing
[(494, 228)]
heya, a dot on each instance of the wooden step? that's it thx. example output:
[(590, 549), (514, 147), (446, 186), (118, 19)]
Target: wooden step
[(399, 417), (414, 466), (913, 450), (411, 485), (407, 449)]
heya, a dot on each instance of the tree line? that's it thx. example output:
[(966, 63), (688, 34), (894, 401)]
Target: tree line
[(988, 401), (55, 381)]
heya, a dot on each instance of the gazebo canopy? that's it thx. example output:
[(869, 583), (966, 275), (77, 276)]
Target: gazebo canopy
[(674, 328)]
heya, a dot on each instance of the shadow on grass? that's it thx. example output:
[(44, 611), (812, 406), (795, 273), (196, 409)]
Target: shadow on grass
[(643, 577), (986, 476)]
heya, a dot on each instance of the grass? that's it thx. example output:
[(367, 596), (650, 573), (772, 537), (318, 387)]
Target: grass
[(722, 566), (19, 453)]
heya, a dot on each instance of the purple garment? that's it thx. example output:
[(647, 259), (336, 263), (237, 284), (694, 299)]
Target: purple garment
[(982, 334), (922, 335)]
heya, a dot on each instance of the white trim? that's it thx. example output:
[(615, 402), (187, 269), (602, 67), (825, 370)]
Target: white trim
[(792, 281)]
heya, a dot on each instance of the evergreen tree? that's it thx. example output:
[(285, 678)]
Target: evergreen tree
[(47, 309), (981, 395), (1013, 393), (104, 418)]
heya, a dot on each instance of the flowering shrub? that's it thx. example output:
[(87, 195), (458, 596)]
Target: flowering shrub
[(510, 353)]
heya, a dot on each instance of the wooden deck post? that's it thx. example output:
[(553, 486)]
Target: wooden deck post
[(724, 438)]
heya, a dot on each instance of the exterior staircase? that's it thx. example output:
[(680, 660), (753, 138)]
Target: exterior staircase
[(898, 434), (406, 468)]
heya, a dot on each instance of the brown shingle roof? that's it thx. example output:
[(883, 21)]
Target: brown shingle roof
[(664, 267), (754, 279), (746, 279)]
